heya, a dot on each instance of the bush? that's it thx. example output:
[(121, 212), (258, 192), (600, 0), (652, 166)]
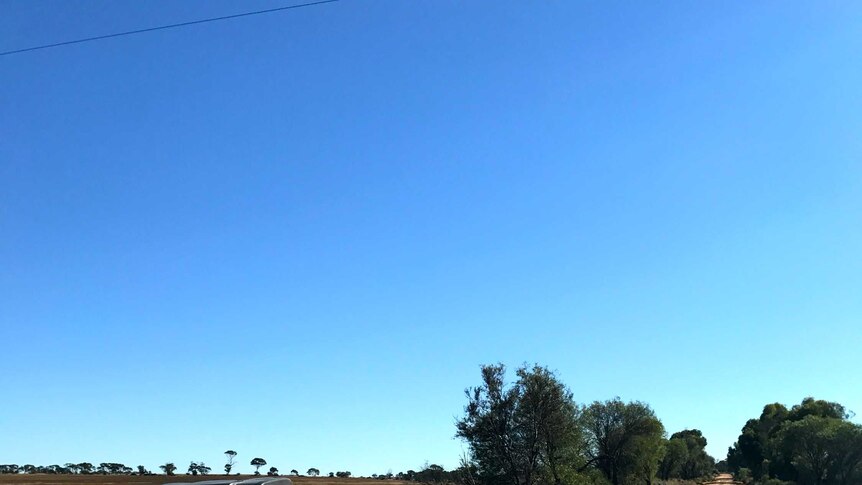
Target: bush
[(774, 481)]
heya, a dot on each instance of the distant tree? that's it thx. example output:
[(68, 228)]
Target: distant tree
[(113, 469), (142, 470), (257, 463), (294, 472), (9, 469), (343, 474), (86, 468), (196, 468), (231, 459), (168, 468), (313, 472), (696, 463), (331, 474), (273, 471)]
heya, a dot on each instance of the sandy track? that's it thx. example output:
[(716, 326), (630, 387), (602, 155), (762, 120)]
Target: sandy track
[(724, 479)]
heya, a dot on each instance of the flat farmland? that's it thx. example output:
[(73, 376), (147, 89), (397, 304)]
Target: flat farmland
[(43, 479)]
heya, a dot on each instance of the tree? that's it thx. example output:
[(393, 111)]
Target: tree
[(624, 440), (199, 468), (111, 469), (675, 456), (313, 472), (697, 462), (518, 432), (168, 468), (231, 459), (489, 429), (846, 448), (810, 444), (273, 471), (547, 409), (257, 463), (294, 472), (824, 450), (142, 470)]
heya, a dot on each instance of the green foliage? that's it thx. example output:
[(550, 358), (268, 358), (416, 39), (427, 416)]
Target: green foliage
[(196, 468), (774, 481), (231, 459), (521, 434), (624, 440), (257, 463), (675, 458), (168, 468), (813, 443), (694, 462)]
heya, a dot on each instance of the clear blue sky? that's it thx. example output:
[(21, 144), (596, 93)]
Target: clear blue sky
[(299, 235)]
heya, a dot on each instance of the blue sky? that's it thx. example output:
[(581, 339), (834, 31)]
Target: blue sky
[(299, 235)]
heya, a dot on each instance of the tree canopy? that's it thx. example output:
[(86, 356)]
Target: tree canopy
[(812, 443)]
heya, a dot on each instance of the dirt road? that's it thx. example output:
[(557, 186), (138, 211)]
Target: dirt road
[(723, 479)]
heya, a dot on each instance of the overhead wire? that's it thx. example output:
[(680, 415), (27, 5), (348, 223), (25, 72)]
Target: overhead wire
[(163, 27)]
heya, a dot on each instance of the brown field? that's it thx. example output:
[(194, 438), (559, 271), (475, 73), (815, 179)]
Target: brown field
[(40, 479)]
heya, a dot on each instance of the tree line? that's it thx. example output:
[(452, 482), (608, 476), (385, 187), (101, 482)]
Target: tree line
[(532, 432), (170, 468), (813, 442)]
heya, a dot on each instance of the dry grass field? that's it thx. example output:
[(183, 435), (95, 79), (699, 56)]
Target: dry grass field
[(39, 479)]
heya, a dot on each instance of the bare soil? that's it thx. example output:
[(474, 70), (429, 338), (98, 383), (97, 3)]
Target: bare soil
[(41, 479), (723, 479)]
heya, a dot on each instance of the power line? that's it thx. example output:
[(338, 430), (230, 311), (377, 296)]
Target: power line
[(162, 27)]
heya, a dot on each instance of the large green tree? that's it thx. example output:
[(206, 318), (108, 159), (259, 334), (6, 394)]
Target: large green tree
[(675, 457), (824, 450), (524, 433), (697, 462), (813, 443), (625, 440)]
